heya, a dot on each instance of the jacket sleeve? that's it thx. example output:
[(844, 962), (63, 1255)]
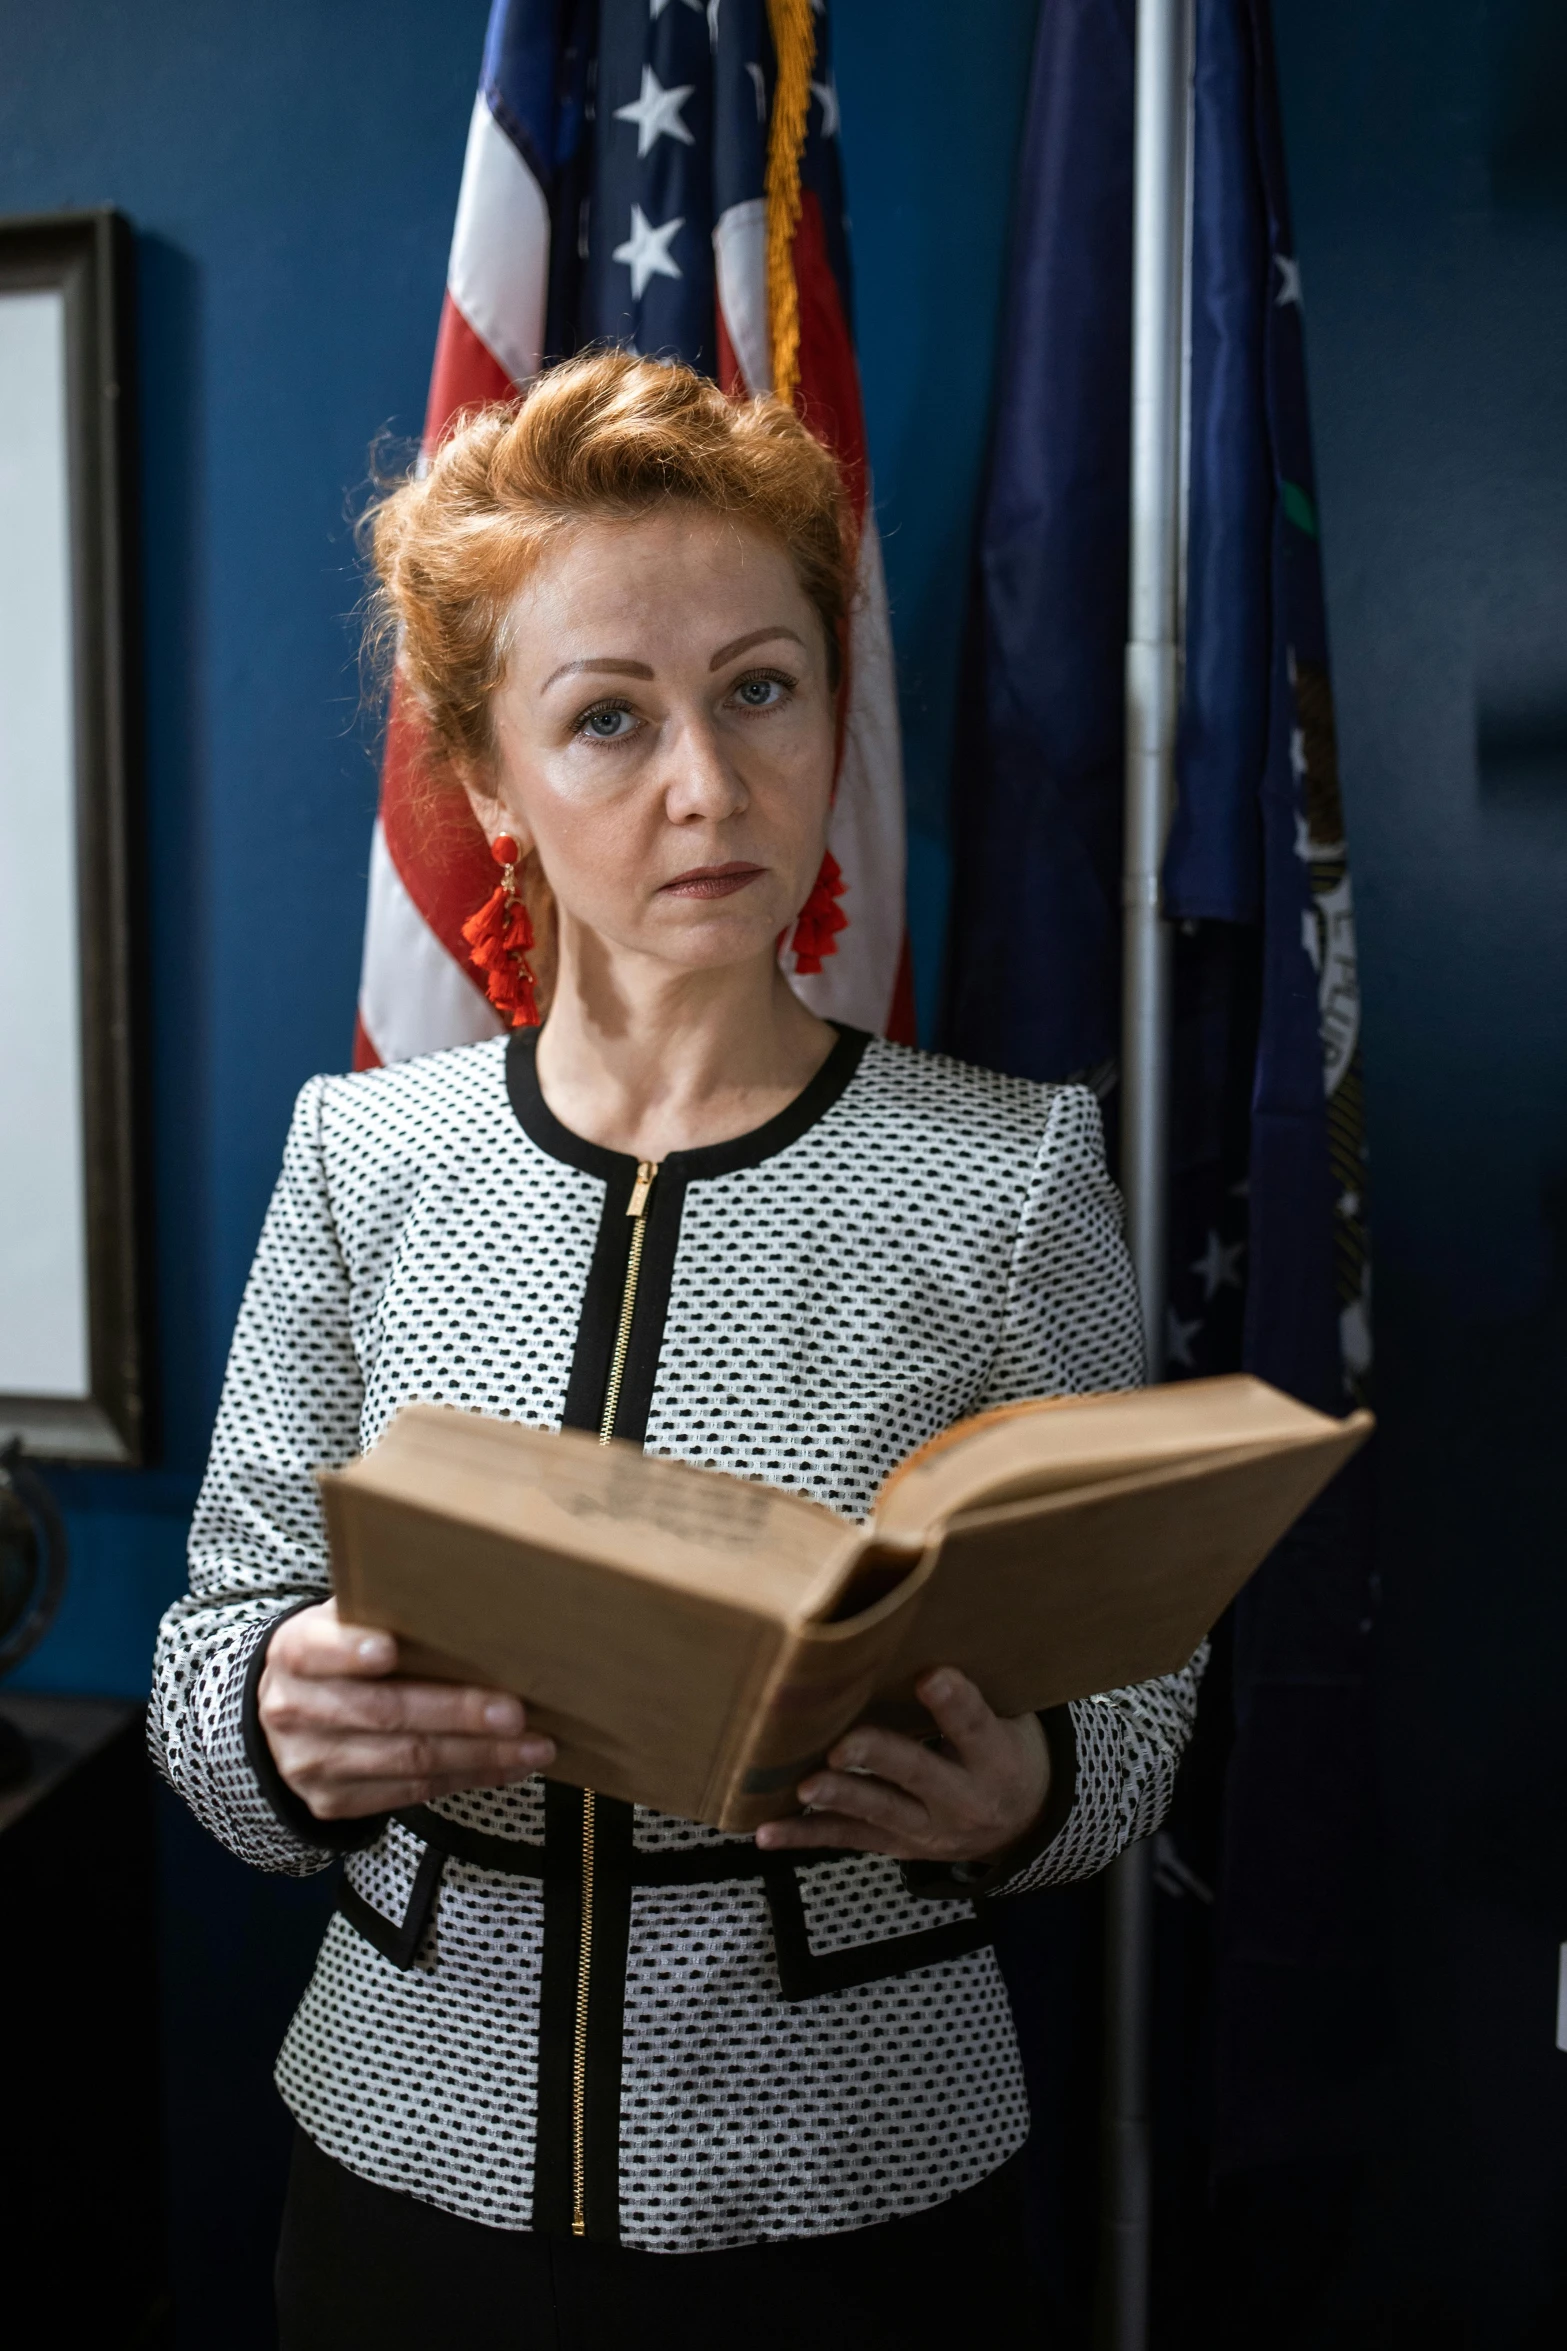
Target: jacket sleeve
[(1072, 1325), (291, 1404)]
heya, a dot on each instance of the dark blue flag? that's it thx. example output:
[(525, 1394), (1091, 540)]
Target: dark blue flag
[(1267, 1208), (1297, 2007), (1036, 927)]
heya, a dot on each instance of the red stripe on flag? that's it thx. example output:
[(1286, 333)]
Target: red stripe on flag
[(432, 835), (829, 401), (902, 1021), (829, 394), (466, 374), (365, 1054), (731, 378)]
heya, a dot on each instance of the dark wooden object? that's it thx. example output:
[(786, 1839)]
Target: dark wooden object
[(80, 2156)]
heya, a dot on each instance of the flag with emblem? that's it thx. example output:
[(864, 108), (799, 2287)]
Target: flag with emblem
[(661, 174), (1268, 1265), (1274, 1251)]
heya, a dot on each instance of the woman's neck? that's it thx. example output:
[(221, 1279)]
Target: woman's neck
[(646, 1060)]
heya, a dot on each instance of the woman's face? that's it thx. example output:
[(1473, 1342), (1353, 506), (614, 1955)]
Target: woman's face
[(665, 736)]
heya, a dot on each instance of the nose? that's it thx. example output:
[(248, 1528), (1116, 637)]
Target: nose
[(703, 785)]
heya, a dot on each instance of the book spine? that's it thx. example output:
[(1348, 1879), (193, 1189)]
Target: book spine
[(337, 1508), (821, 1682)]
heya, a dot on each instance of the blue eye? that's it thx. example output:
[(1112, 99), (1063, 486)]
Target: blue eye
[(610, 723), (761, 693)]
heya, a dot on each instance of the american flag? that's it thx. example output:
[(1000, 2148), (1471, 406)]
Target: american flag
[(663, 174)]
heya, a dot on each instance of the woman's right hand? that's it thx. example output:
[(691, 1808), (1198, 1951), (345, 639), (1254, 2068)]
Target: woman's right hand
[(350, 1741)]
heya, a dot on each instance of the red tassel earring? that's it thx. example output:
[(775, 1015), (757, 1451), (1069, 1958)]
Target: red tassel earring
[(821, 918), (499, 937)]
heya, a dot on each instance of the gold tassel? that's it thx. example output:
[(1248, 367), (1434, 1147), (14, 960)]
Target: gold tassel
[(794, 43)]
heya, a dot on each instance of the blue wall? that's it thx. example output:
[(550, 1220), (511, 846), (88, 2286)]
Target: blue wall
[(291, 175), (931, 125), (1428, 157)]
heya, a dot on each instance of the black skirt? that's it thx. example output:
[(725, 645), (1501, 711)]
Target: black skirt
[(363, 2269)]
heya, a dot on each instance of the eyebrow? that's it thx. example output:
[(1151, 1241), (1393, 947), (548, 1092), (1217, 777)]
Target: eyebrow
[(744, 644), (611, 665), (607, 664)]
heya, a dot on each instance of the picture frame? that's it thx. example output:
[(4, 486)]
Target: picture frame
[(73, 1348)]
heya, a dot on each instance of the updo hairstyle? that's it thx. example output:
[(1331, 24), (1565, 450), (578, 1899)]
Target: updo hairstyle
[(605, 437)]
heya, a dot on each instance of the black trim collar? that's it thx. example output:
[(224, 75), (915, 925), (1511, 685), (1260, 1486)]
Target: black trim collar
[(541, 1126)]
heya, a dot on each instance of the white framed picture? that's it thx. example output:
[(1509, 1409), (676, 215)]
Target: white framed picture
[(71, 1351)]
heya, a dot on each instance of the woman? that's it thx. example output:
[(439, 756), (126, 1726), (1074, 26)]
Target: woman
[(568, 2072)]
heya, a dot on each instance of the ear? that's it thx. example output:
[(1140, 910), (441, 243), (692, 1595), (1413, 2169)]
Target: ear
[(490, 811)]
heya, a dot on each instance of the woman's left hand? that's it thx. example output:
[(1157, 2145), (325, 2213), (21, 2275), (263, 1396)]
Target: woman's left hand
[(966, 1799)]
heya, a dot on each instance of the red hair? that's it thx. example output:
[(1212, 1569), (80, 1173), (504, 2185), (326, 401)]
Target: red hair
[(605, 437)]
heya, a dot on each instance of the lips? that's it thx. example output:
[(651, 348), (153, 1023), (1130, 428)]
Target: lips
[(712, 881)]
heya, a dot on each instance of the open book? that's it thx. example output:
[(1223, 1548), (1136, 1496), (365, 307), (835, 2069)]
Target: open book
[(696, 1642)]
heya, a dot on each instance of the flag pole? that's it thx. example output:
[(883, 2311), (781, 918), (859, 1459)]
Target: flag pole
[(1160, 235)]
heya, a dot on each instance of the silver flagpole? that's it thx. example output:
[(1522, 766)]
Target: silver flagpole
[(1160, 233)]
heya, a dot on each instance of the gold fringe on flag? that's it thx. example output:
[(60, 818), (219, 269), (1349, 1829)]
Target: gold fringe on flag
[(794, 43)]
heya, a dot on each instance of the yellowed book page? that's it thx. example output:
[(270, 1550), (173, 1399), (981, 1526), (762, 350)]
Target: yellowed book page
[(1051, 1444), (683, 1529), (1073, 1593)]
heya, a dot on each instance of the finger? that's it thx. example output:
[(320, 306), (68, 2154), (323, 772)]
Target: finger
[(959, 1710), (360, 1799), (834, 1831), (339, 1704), (356, 1757), (446, 1706), (905, 1763), (874, 1801), (317, 1644)]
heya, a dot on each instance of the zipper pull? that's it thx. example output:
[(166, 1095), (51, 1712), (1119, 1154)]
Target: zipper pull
[(647, 1169)]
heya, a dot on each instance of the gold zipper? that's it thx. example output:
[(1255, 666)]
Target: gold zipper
[(636, 1208), (579, 2050)]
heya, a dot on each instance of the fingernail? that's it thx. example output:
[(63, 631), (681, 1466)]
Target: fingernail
[(503, 1714), (808, 1791), (766, 1837), (373, 1648), (939, 1686), (849, 1758)]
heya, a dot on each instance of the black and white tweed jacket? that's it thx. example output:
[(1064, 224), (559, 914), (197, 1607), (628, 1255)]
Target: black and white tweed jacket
[(772, 2050)]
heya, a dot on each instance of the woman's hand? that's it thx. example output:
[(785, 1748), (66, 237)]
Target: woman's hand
[(965, 1799), (349, 1742)]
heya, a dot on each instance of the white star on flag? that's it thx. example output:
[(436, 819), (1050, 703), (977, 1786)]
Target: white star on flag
[(656, 112), (1297, 736), (656, 8), (1178, 1337), (759, 85), (646, 251), (1219, 1266), (712, 22), (827, 93), (1289, 282)]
